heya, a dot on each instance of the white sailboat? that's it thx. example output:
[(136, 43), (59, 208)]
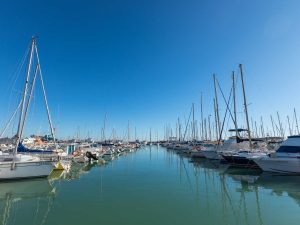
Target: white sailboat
[(19, 166)]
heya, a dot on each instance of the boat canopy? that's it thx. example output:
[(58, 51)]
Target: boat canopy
[(23, 149)]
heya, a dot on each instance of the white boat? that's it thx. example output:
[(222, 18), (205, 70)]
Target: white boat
[(229, 145), (24, 166), (285, 160)]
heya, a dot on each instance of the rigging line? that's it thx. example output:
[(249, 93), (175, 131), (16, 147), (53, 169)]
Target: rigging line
[(16, 75), (45, 98), (227, 103), (224, 119), (9, 121), (187, 125), (20, 64), (29, 99)]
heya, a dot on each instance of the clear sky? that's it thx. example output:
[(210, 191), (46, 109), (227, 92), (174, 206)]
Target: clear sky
[(148, 61)]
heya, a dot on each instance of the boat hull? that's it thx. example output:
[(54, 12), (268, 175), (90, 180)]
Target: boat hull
[(24, 170), (197, 154), (279, 165), (239, 161), (212, 155)]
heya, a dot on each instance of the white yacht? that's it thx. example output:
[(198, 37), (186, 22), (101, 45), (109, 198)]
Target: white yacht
[(285, 160)]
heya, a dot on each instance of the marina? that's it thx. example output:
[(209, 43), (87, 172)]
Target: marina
[(149, 112), (191, 174), (152, 185)]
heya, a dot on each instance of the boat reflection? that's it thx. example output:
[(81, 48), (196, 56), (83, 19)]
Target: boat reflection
[(30, 193), (239, 191), (78, 169)]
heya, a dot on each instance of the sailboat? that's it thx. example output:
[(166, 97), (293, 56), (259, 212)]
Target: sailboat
[(19, 166)]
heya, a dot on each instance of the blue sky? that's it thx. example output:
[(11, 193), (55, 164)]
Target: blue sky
[(148, 61)]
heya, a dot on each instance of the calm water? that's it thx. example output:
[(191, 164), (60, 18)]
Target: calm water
[(153, 186)]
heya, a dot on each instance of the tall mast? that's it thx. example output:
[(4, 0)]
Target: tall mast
[(256, 134), (24, 94), (179, 130), (104, 127), (202, 118), (273, 125), (29, 98), (216, 120), (290, 130), (128, 132), (217, 108), (245, 105), (280, 125), (262, 127), (205, 129), (209, 127), (193, 127), (296, 121), (234, 104)]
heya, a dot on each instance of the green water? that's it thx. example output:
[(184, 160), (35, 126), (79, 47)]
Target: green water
[(153, 186)]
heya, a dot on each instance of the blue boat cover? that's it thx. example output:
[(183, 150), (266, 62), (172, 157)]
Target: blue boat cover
[(22, 148)]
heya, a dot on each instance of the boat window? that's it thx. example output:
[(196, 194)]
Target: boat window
[(289, 149)]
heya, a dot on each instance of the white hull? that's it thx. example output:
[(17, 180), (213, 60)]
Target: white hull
[(25, 170), (279, 165), (211, 154)]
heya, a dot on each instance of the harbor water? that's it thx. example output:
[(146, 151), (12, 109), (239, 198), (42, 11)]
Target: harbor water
[(153, 186)]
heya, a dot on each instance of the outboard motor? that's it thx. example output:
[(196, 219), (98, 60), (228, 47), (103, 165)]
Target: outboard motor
[(90, 156)]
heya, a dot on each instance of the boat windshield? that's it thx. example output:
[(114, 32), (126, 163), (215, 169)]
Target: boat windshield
[(289, 149)]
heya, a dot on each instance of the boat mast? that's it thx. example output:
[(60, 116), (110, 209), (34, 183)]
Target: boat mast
[(234, 105), (179, 130), (273, 125), (280, 125), (209, 127), (217, 108), (193, 127), (245, 106), (29, 98), (24, 96), (202, 118), (216, 121), (262, 127), (205, 128), (290, 130), (296, 121), (128, 132)]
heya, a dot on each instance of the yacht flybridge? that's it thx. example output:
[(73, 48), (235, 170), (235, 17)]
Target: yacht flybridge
[(285, 160), (14, 165)]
